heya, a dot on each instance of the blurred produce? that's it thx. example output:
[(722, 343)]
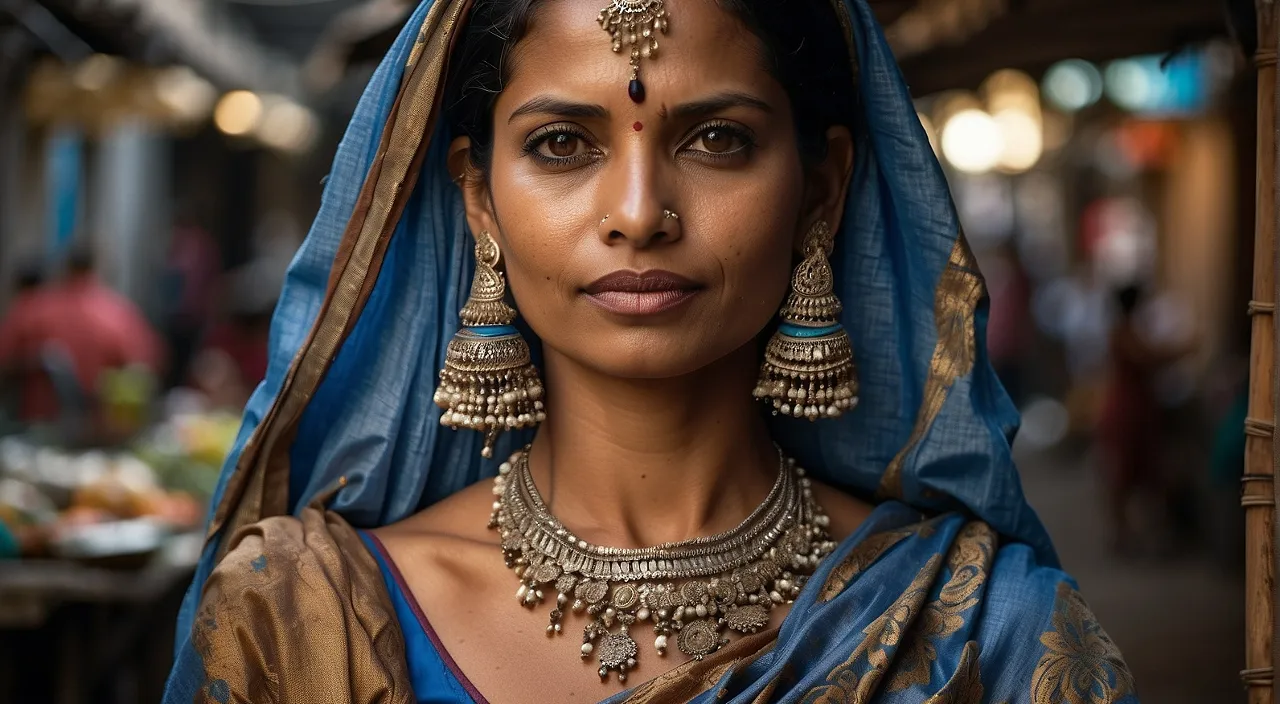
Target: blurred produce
[(111, 507)]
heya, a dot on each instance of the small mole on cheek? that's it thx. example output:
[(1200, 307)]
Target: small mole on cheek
[(638, 126)]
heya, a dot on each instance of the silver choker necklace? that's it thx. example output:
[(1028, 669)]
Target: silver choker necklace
[(692, 590)]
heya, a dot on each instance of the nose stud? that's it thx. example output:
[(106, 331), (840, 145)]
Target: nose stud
[(603, 219), (668, 215)]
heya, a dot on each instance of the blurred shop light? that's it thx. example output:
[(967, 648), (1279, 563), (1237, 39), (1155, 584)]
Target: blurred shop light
[(972, 141), (1045, 423), (238, 113), (1011, 89), (287, 126), (1022, 140), (1131, 85), (187, 96), (1150, 85), (1072, 85), (97, 72)]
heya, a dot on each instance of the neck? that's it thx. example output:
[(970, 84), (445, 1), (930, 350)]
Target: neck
[(635, 463)]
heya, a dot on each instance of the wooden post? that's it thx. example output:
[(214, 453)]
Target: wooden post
[(1258, 490)]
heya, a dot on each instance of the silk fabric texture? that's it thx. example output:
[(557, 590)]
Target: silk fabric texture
[(288, 605)]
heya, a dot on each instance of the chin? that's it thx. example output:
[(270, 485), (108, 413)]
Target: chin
[(662, 353)]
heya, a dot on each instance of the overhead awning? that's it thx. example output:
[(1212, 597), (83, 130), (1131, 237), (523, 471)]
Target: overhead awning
[(940, 43), (198, 34)]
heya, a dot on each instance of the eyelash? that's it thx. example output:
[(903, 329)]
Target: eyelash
[(544, 134), (736, 131)]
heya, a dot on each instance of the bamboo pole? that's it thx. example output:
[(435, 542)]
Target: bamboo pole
[(1258, 490)]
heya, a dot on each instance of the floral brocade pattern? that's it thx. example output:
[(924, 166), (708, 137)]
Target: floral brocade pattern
[(1081, 664)]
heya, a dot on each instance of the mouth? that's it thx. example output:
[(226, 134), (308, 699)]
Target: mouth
[(641, 293)]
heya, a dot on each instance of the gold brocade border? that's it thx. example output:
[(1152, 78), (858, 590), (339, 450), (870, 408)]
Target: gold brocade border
[(867, 553), (259, 485), (856, 680), (965, 686), (969, 560), (958, 295)]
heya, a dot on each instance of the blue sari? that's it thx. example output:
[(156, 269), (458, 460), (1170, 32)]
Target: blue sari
[(949, 593)]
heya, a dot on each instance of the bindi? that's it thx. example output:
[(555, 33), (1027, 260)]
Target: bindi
[(638, 126)]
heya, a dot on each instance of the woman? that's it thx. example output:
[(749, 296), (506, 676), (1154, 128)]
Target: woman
[(646, 210)]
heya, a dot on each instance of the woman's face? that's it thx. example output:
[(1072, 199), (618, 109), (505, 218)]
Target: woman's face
[(581, 178)]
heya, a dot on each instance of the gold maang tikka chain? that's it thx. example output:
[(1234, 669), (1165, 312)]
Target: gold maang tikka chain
[(690, 591), (635, 24)]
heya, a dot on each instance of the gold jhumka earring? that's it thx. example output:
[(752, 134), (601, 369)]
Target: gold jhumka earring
[(808, 369), (489, 383)]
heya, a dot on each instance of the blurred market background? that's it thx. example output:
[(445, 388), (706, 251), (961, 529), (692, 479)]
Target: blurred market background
[(160, 161)]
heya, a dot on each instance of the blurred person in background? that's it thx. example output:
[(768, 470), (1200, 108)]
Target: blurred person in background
[(23, 312), (192, 270), (1129, 425), (233, 357), (66, 343), (1009, 324)]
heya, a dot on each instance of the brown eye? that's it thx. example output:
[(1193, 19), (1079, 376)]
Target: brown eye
[(717, 141), (563, 145), (720, 141)]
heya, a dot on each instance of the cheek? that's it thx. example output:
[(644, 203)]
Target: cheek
[(539, 234), (751, 230)]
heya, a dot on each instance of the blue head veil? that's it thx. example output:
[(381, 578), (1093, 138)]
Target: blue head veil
[(372, 299)]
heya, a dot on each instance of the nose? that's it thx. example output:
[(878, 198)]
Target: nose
[(637, 213)]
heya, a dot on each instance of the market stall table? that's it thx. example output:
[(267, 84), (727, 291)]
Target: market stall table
[(72, 633)]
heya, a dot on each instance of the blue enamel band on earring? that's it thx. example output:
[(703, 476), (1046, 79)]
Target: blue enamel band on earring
[(493, 330), (800, 331)]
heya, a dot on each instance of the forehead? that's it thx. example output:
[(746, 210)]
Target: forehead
[(565, 48)]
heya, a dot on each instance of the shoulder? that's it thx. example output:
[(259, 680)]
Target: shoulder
[(448, 547), (284, 585)]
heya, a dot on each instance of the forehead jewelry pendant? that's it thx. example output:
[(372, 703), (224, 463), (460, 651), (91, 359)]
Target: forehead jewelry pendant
[(635, 24)]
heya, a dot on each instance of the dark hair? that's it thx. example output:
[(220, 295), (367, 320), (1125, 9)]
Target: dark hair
[(29, 277), (1129, 297), (804, 48), (81, 260)]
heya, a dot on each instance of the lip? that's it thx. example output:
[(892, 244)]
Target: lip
[(641, 293)]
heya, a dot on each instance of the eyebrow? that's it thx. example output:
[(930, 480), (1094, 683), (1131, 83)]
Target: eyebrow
[(717, 103), (548, 105)]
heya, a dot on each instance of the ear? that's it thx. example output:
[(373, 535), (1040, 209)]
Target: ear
[(828, 183), (475, 190)]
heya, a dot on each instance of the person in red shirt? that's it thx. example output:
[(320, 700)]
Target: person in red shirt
[(58, 341)]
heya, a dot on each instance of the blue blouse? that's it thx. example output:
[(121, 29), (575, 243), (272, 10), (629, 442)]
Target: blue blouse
[(435, 676)]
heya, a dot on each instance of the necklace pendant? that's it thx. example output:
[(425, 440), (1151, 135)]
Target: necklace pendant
[(700, 638), (617, 652)]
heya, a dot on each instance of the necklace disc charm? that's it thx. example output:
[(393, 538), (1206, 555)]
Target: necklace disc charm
[(699, 639), (617, 652)]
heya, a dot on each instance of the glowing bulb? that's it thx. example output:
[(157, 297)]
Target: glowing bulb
[(287, 126), (1073, 85), (238, 113), (1023, 140), (1133, 86), (971, 141)]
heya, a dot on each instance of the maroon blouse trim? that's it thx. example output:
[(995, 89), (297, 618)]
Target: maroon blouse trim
[(443, 652)]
